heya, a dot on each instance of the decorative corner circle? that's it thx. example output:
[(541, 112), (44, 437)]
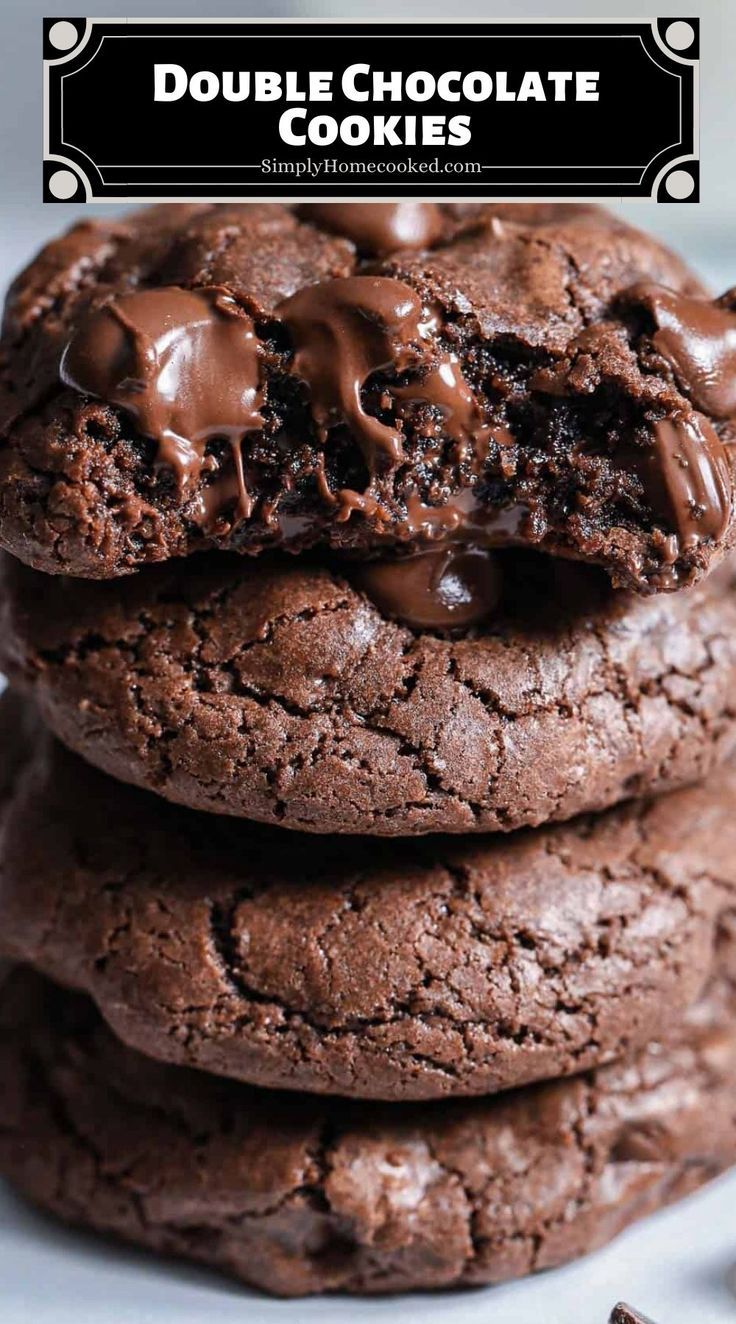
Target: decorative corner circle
[(63, 181), (680, 35), (679, 185), (63, 185), (678, 181), (64, 39), (63, 35)]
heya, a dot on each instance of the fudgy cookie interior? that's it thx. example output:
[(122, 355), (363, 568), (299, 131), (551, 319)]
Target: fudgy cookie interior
[(246, 377)]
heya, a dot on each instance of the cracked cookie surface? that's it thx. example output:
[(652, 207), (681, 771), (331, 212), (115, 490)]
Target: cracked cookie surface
[(276, 690), (542, 374), (296, 1195), (390, 970)]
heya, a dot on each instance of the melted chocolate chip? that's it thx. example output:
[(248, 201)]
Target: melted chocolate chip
[(687, 480), (444, 588), (445, 387), (344, 331), (465, 518), (183, 363), (378, 228), (698, 340)]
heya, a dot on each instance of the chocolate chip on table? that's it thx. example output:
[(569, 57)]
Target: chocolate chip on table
[(623, 1314)]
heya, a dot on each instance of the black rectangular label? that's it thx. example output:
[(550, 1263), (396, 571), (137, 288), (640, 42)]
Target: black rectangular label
[(230, 109)]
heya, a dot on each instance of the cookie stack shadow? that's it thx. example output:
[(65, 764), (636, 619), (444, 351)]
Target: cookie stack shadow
[(355, 946)]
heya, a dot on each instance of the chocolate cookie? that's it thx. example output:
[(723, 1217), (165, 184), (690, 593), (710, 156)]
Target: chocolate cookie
[(367, 376), (409, 970), (296, 1195), (286, 692)]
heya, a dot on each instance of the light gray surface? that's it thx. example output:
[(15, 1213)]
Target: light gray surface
[(679, 1266)]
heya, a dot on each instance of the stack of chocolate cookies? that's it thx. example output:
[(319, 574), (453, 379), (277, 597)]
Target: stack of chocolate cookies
[(368, 846)]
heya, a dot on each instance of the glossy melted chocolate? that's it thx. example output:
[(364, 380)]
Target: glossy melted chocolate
[(445, 588), (687, 479), (698, 339), (183, 363), (343, 331), (186, 365), (377, 228)]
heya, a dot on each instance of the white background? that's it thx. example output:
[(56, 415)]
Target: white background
[(680, 1267)]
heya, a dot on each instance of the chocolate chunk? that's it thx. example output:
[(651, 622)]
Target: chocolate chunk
[(698, 339), (447, 588), (687, 479), (343, 331), (623, 1314), (380, 227), (182, 363)]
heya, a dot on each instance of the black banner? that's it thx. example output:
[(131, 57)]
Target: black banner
[(207, 109)]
